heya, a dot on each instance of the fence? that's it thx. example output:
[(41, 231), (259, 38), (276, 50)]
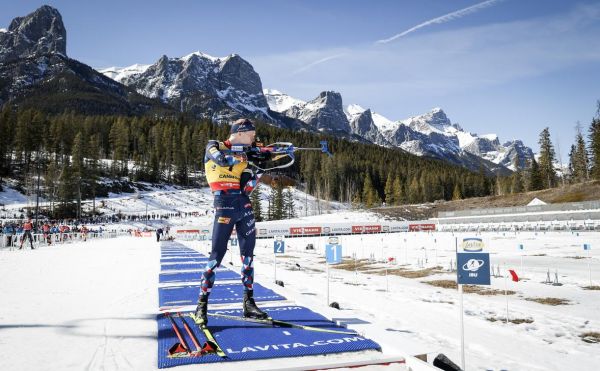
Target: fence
[(12, 242)]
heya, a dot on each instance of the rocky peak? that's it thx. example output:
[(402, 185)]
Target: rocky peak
[(324, 113), (38, 33)]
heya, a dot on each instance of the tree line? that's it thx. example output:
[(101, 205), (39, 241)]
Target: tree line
[(78, 157), (584, 162)]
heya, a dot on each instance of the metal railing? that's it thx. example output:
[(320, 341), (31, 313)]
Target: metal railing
[(14, 241)]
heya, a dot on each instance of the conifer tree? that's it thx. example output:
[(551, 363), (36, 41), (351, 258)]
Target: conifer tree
[(578, 159), (398, 192), (456, 193), (290, 207), (255, 201), (535, 177), (546, 160), (594, 145), (389, 191)]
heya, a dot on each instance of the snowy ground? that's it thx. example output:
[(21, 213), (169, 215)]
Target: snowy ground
[(409, 316), (94, 303), (167, 199)]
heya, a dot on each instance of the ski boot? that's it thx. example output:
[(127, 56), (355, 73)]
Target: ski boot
[(250, 308), (200, 316)]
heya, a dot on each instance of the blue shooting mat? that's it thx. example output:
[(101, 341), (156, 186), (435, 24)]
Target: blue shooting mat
[(175, 296), (178, 259), (220, 274), (182, 255), (195, 266), (243, 341)]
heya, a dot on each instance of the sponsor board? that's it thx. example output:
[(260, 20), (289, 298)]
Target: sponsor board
[(472, 244), (305, 230), (421, 227), (188, 231)]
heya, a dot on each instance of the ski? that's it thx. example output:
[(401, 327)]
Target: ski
[(211, 343), (274, 322)]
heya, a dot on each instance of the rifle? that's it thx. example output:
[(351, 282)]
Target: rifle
[(278, 150)]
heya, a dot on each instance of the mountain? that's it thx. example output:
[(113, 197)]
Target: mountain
[(431, 134), (219, 89), (35, 72)]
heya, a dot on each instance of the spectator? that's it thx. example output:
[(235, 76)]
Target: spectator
[(27, 229), (9, 232), (159, 233)]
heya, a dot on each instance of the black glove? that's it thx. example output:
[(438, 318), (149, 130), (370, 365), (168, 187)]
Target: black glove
[(258, 157)]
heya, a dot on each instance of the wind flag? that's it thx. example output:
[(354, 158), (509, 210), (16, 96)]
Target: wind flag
[(514, 275)]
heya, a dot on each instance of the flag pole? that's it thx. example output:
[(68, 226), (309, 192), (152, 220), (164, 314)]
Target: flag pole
[(506, 291)]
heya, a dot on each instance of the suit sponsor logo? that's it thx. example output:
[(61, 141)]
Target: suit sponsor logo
[(227, 176), (223, 220)]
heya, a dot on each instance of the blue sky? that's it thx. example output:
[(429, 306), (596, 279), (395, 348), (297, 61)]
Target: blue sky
[(510, 67)]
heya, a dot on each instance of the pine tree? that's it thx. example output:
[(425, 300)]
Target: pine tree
[(414, 191), (389, 191), (578, 159), (456, 193), (546, 160), (255, 201), (369, 195), (290, 207), (535, 177), (516, 185), (594, 146), (278, 203), (397, 189)]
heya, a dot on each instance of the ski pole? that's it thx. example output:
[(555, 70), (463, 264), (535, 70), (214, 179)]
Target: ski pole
[(189, 331), (182, 343)]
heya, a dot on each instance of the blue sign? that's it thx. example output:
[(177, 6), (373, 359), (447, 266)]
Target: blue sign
[(234, 242), (333, 254), (279, 247), (587, 246), (473, 268)]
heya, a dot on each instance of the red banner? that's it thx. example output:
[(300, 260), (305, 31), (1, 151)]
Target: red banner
[(372, 228), (358, 229), (188, 231), (421, 227), (305, 230)]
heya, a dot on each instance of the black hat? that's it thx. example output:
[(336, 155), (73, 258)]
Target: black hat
[(241, 126)]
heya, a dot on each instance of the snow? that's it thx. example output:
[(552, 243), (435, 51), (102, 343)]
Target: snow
[(535, 202), (464, 138), (279, 101), (10, 196), (121, 73), (353, 110), (383, 123), (94, 303), (3, 30), (201, 55), (490, 137)]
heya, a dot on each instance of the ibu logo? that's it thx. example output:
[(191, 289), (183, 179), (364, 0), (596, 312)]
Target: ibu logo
[(472, 266)]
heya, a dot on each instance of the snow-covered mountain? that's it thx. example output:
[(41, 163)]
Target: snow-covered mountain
[(204, 85), (35, 71), (431, 134)]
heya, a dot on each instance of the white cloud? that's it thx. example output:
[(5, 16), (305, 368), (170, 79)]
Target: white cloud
[(315, 63), (440, 63), (443, 19)]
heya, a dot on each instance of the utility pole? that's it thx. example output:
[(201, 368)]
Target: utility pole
[(37, 193)]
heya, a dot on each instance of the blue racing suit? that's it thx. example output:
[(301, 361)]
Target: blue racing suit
[(231, 181)]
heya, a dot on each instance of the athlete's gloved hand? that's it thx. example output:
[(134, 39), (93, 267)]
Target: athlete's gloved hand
[(259, 156), (231, 160)]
